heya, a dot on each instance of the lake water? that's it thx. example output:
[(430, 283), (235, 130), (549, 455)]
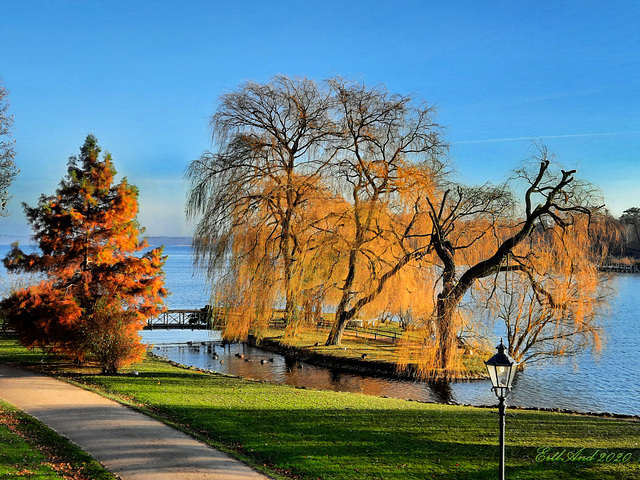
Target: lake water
[(607, 383)]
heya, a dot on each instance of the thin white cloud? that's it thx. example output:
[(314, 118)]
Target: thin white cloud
[(543, 137)]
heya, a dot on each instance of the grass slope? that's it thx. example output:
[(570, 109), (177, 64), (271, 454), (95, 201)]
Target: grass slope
[(308, 434)]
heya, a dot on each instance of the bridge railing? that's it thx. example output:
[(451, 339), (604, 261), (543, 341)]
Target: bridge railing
[(181, 319), (620, 267), (203, 319)]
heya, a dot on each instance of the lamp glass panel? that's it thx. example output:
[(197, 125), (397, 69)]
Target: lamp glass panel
[(501, 392), (503, 375), (512, 375), (493, 375)]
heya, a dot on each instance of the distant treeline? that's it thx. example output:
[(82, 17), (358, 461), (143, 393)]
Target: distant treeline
[(626, 244)]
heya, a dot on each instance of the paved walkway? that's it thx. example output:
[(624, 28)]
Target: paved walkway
[(128, 443)]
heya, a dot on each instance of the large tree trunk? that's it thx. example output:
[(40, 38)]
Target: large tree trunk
[(287, 256), (343, 316), (446, 334), (339, 324)]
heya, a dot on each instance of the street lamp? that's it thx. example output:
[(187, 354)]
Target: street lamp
[(502, 368)]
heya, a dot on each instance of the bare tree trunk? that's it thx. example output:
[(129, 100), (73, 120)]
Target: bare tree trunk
[(446, 334), (287, 256), (290, 306), (342, 315), (443, 223), (339, 324)]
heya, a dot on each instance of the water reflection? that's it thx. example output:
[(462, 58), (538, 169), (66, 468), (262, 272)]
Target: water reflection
[(610, 383), (442, 391), (251, 362)]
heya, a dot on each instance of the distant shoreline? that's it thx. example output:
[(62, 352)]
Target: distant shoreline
[(155, 241), (170, 241)]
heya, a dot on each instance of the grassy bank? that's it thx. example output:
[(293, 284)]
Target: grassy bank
[(362, 348), (307, 434), (31, 450)]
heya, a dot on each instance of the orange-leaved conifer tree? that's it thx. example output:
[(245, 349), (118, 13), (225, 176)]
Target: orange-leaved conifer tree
[(97, 289)]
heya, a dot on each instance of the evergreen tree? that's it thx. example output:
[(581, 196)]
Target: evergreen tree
[(88, 237)]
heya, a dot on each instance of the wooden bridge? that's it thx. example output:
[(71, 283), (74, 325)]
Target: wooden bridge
[(182, 319), (620, 267)]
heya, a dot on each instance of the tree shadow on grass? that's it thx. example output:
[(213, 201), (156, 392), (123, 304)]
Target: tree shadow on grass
[(391, 444)]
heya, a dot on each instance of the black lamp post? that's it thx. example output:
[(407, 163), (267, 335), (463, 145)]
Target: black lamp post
[(502, 369)]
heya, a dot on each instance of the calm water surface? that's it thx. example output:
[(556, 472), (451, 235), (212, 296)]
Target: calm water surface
[(609, 382)]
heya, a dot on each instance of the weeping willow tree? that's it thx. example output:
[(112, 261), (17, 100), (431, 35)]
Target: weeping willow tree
[(307, 199), (337, 195), (250, 290), (477, 235), (247, 195), (387, 158), (553, 308)]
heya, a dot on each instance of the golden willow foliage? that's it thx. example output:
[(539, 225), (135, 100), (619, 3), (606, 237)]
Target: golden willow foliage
[(271, 143), (549, 309), (97, 289), (278, 199), (553, 309), (419, 351), (253, 285), (333, 200), (476, 236), (388, 157), (377, 265)]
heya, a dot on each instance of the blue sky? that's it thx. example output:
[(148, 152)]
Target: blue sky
[(144, 76)]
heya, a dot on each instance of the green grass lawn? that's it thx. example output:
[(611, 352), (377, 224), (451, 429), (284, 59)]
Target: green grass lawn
[(30, 450), (306, 434)]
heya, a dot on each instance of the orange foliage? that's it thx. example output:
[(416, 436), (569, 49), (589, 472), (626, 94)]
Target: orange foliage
[(335, 199), (553, 308), (88, 236)]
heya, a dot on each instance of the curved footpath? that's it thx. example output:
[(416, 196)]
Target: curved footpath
[(128, 443)]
